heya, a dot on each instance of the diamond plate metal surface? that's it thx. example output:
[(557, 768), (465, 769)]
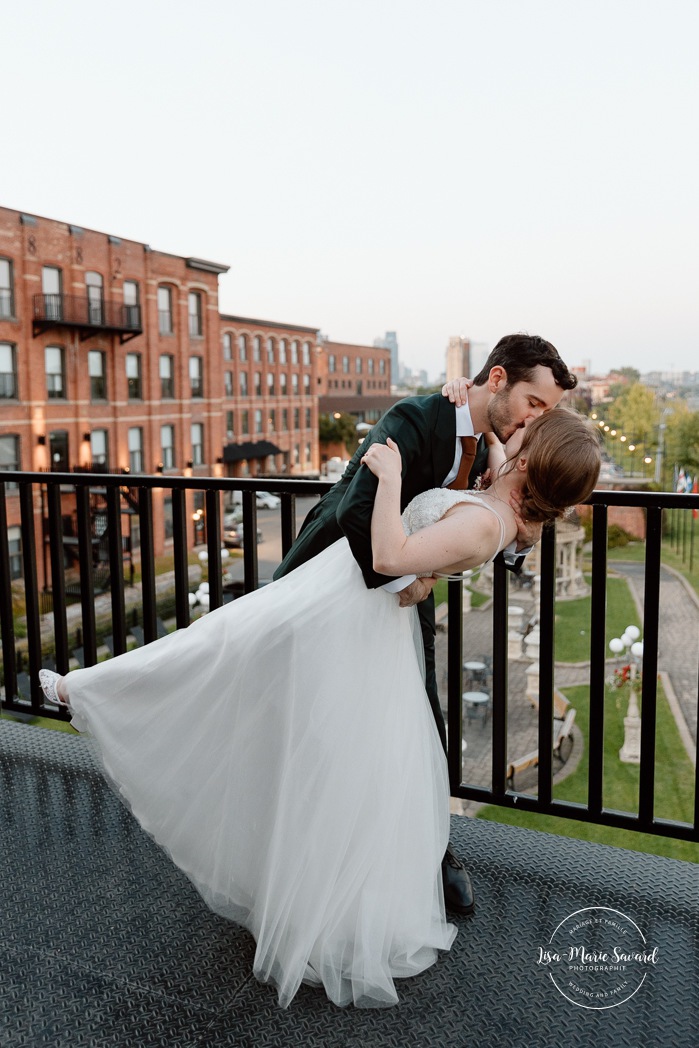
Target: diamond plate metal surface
[(105, 944)]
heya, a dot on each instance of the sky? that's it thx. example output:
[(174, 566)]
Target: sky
[(451, 167)]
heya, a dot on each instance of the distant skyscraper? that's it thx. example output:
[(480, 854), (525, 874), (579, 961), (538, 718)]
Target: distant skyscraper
[(458, 358), (390, 341)]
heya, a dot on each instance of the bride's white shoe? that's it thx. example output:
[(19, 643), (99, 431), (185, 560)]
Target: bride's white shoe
[(49, 685)]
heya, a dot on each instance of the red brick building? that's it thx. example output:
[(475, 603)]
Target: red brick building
[(113, 358), (270, 400), (354, 379)]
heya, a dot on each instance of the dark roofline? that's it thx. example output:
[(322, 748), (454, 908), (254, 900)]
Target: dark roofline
[(76, 230), (267, 323)]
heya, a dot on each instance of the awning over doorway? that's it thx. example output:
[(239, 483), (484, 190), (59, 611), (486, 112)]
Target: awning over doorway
[(250, 450)]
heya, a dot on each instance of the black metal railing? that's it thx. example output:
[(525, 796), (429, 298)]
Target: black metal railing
[(137, 499), (80, 312)]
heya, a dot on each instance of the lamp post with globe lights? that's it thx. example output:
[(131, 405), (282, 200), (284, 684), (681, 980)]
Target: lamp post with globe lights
[(630, 752)]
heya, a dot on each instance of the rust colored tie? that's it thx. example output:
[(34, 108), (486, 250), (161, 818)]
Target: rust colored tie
[(468, 454)]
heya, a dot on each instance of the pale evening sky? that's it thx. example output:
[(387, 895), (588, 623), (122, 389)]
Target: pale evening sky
[(463, 167)]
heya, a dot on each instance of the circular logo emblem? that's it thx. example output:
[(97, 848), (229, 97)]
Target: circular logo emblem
[(597, 958)]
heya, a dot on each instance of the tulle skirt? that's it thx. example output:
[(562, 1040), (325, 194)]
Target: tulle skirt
[(283, 752)]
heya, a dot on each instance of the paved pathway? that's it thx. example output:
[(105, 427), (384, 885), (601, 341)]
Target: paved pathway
[(678, 640)]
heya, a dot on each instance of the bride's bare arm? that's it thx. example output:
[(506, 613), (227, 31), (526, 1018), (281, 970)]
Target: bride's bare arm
[(466, 536)]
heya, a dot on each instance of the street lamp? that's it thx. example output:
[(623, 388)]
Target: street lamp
[(630, 752)]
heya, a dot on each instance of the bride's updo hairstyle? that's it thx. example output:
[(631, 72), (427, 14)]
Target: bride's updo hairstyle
[(563, 463)]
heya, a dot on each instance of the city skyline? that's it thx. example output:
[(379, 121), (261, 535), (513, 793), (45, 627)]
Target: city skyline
[(468, 170)]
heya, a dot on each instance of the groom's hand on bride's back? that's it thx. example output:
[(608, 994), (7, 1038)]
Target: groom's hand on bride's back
[(416, 592), (457, 390)]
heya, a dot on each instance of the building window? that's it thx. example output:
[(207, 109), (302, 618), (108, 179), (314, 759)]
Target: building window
[(345, 365), (282, 384), (382, 367), (14, 542), (307, 353), (258, 384), (245, 423), (133, 375), (296, 455), (196, 318), (294, 383), (306, 383), (97, 372), (243, 383), (371, 365), (308, 418), (308, 454), (197, 444), (294, 352), (95, 298), (99, 447), (164, 311), (131, 303), (55, 373), (228, 383), (257, 349), (272, 421), (9, 455), (285, 420), (243, 348), (227, 346), (135, 443), (8, 371), (297, 418), (167, 376), (282, 351), (51, 290), (58, 450), (167, 445), (270, 350), (270, 383), (258, 421), (7, 302), (357, 365), (196, 376), (230, 429), (331, 363), (168, 520)]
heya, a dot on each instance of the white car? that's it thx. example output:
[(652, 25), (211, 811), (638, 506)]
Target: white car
[(265, 500)]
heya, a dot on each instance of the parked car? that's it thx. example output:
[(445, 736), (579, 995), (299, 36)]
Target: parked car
[(265, 500), (233, 536)]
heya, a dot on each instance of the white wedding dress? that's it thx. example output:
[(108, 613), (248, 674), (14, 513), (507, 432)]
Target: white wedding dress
[(282, 751)]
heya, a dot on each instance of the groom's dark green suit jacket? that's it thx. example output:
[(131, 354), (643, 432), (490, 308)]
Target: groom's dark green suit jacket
[(424, 428)]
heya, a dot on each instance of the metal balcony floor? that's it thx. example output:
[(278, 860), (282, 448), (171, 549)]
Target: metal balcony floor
[(105, 944)]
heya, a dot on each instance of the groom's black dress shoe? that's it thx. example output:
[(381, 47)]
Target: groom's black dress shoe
[(458, 890)]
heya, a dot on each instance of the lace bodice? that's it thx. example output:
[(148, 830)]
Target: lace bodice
[(430, 506)]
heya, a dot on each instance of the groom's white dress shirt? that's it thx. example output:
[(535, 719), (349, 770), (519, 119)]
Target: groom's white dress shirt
[(464, 428)]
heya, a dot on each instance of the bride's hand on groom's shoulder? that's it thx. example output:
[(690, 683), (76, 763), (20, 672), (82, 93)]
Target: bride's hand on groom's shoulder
[(456, 390), (384, 459)]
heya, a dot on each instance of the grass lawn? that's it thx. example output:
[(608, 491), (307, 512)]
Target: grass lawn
[(573, 621), (674, 784), (441, 592)]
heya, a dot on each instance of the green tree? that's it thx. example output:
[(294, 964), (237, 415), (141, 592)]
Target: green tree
[(636, 413), (682, 437), (338, 429)]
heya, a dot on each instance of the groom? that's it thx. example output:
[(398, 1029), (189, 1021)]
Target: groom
[(523, 377)]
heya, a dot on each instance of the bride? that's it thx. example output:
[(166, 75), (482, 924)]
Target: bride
[(282, 751)]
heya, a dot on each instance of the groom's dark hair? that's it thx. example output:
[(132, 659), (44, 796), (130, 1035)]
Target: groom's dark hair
[(519, 354)]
